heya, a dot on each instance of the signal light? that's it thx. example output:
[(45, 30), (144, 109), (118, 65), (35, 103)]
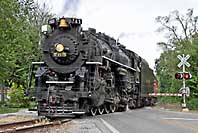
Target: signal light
[(187, 75), (183, 75), (52, 21), (179, 75)]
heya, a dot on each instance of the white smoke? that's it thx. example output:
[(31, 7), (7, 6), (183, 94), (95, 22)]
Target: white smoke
[(69, 8), (61, 7)]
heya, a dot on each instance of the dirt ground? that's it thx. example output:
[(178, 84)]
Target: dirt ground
[(172, 106), (14, 119)]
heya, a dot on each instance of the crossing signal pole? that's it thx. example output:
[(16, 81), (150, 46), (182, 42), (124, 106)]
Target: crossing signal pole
[(183, 75)]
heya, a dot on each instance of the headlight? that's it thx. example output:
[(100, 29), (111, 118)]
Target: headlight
[(59, 47)]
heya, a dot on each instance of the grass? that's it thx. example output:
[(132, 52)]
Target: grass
[(9, 107), (174, 103), (4, 110)]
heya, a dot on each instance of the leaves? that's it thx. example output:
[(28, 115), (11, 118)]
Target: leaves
[(178, 26), (182, 39), (20, 22), (17, 98)]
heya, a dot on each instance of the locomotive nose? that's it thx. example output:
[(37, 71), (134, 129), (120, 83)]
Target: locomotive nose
[(64, 53)]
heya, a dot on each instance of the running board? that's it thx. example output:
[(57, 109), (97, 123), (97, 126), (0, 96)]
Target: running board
[(94, 63), (78, 113), (59, 82)]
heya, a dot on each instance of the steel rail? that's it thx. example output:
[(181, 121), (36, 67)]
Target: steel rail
[(18, 123), (28, 125)]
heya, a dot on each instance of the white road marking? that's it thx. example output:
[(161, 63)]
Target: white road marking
[(109, 126), (186, 119)]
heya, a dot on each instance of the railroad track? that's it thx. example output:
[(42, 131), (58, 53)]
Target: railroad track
[(29, 125)]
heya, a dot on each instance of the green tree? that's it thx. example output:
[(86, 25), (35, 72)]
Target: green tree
[(182, 38), (20, 22)]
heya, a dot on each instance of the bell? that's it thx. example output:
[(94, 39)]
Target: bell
[(63, 23)]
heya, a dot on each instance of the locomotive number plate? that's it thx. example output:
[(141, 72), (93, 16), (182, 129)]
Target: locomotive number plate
[(63, 54)]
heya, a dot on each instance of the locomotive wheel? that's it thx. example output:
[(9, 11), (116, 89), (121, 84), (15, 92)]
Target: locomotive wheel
[(93, 111), (100, 110), (106, 108), (112, 108)]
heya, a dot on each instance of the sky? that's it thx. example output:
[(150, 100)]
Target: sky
[(132, 21)]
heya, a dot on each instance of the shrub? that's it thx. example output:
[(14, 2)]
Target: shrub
[(17, 98), (192, 104)]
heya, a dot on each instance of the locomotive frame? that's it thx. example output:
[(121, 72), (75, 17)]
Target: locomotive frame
[(88, 72)]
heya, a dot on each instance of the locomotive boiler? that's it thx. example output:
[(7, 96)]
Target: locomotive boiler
[(84, 71)]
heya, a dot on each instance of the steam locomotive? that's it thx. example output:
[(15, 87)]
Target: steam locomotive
[(85, 71)]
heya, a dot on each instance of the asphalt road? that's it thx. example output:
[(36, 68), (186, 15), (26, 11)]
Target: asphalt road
[(148, 120), (144, 120)]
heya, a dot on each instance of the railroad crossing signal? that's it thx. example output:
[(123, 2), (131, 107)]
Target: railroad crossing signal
[(187, 75), (183, 60), (183, 75)]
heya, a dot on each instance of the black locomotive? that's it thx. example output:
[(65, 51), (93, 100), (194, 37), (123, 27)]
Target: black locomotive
[(88, 72)]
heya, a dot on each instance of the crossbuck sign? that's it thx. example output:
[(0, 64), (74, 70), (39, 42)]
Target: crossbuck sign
[(183, 60)]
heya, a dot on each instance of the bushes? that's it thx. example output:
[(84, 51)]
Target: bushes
[(5, 109), (192, 104), (17, 98)]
